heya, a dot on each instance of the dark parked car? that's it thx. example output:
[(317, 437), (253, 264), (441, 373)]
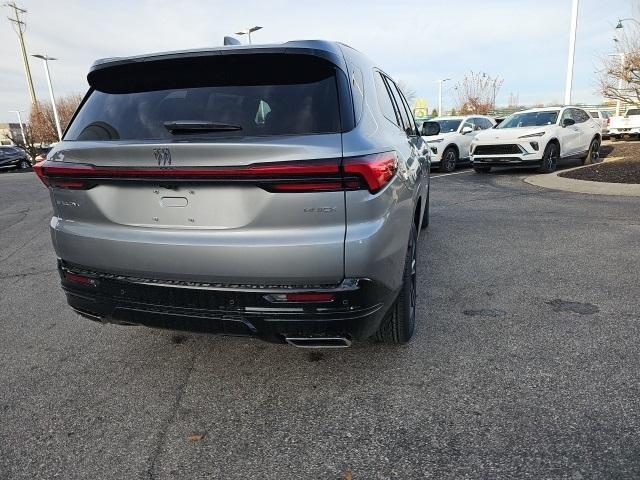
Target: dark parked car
[(13, 157)]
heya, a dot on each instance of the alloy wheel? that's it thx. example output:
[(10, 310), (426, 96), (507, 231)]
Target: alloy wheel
[(595, 151)]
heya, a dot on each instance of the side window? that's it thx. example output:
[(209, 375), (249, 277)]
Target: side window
[(568, 113), (487, 123), (579, 116), (357, 90), (384, 100), (407, 118), (585, 115), (478, 123), (594, 114)]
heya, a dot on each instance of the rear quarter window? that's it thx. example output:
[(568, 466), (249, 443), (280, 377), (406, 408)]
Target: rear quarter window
[(260, 94)]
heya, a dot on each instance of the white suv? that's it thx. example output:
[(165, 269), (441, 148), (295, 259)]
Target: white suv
[(538, 137), (451, 146)]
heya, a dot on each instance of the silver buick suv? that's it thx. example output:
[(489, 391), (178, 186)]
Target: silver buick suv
[(274, 191)]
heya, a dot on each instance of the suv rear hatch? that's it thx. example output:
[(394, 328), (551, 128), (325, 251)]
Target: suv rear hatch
[(215, 168)]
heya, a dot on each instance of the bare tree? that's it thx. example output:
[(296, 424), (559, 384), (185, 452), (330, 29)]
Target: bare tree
[(408, 91), (620, 74), (42, 120), (476, 93)]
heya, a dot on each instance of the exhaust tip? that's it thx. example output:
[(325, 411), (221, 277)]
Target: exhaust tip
[(319, 342)]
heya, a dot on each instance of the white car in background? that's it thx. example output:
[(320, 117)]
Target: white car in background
[(450, 147), (539, 137), (625, 125), (603, 118)]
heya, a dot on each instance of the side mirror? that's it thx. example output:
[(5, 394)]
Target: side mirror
[(466, 130), (568, 121), (430, 129)]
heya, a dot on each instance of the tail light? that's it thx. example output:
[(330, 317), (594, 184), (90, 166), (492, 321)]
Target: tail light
[(371, 172), (376, 170)]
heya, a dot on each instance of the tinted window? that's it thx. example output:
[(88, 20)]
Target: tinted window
[(579, 116), (447, 126), (529, 119), (633, 111), (594, 114), (407, 119), (413, 130), (357, 90), (256, 94), (385, 102)]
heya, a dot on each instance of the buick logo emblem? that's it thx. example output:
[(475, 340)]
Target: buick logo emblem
[(163, 156)]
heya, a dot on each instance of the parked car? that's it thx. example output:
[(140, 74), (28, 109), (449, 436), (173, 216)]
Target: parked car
[(538, 137), (450, 147), (625, 126), (603, 118), (243, 191), (13, 157)]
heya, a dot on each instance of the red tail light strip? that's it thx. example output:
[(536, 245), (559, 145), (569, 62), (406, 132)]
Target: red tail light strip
[(371, 172)]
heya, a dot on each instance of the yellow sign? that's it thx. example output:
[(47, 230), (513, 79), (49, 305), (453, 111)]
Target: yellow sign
[(420, 108)]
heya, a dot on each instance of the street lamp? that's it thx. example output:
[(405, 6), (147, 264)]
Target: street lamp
[(440, 82), (248, 32), (620, 20), (17, 112), (572, 52), (46, 59)]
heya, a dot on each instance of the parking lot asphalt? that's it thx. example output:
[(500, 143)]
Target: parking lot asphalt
[(525, 362)]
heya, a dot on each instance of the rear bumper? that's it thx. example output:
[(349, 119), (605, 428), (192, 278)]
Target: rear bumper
[(355, 312), (619, 132)]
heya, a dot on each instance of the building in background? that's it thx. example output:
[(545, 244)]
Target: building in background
[(9, 131)]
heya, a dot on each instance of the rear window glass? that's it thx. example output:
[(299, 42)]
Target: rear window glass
[(256, 95), (633, 111)]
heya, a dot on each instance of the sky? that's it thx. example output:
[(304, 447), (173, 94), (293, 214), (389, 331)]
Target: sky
[(417, 42)]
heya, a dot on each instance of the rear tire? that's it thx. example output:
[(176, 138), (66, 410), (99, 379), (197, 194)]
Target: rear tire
[(425, 215), (449, 160), (550, 158), (593, 155), (398, 325), (482, 169), (23, 164)]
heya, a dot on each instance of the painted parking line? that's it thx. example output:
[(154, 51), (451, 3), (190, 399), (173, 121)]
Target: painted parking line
[(454, 173)]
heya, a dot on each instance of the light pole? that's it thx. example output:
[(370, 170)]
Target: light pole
[(247, 31), (17, 112), (620, 20), (621, 55), (440, 82), (46, 59), (572, 52)]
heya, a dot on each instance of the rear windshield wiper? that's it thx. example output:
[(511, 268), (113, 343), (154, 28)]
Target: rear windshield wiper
[(195, 126)]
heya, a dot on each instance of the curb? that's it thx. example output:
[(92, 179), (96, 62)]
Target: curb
[(554, 182)]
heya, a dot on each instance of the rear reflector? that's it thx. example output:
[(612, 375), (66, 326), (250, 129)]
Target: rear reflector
[(371, 172), (302, 297), (81, 279)]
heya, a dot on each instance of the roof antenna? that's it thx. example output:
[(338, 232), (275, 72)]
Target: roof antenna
[(231, 41)]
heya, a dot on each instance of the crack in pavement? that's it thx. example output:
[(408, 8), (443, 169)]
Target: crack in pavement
[(164, 427), (26, 274)]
